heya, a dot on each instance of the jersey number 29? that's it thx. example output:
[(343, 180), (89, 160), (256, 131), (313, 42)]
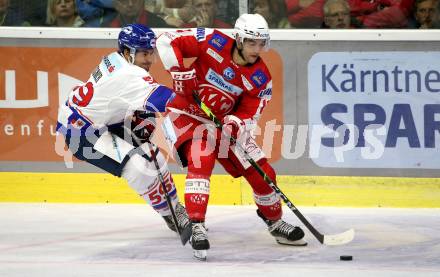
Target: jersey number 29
[(82, 95)]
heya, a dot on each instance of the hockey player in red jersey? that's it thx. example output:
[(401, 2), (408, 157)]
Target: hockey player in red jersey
[(233, 81)]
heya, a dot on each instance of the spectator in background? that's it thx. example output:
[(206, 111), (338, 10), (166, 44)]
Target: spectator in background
[(227, 10), (11, 15), (133, 11), (274, 11), (32, 12), (425, 14), (305, 13), (175, 13), (96, 13), (336, 14), (437, 16), (205, 16), (381, 13), (63, 13)]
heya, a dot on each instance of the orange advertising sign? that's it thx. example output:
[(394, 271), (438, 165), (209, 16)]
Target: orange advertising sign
[(34, 81)]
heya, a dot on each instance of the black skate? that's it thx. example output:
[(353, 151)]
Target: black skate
[(182, 218), (199, 241), (284, 232)]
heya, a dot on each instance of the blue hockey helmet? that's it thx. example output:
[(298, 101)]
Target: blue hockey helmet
[(136, 37)]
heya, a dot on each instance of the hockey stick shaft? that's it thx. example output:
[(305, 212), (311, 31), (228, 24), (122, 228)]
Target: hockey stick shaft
[(267, 179), (183, 234)]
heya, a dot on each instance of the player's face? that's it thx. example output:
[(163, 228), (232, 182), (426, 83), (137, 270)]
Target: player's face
[(252, 49), (145, 58)]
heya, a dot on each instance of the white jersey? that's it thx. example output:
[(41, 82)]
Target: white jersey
[(114, 90)]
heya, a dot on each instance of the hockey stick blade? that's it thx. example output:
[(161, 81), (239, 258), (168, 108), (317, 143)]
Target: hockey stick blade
[(339, 239), (185, 234)]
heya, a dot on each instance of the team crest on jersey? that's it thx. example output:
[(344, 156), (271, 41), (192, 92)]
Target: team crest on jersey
[(217, 80), (259, 78), (220, 102), (218, 41), (229, 74)]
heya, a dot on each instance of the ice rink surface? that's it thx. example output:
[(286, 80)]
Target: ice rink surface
[(51, 240)]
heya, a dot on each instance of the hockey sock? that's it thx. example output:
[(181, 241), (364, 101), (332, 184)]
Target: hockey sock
[(265, 197), (196, 198), (200, 165)]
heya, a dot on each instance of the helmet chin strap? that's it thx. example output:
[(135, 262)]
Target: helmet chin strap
[(239, 45), (240, 52)]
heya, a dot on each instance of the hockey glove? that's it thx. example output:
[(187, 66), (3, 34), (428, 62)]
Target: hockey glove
[(233, 127), (142, 126), (184, 81)]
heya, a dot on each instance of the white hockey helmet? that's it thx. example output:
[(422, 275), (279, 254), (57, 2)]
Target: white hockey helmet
[(252, 26)]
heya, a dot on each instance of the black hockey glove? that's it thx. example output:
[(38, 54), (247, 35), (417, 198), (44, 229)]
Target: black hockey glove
[(143, 125)]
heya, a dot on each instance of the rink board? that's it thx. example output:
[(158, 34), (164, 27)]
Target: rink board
[(299, 60), (302, 190)]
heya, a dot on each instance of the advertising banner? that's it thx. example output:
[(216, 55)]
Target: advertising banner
[(374, 109), (35, 80)]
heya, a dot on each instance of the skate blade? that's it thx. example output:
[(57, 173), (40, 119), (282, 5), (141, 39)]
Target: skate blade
[(200, 254), (284, 241)]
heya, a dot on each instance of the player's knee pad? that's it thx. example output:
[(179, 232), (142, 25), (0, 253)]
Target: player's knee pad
[(142, 175), (196, 198)]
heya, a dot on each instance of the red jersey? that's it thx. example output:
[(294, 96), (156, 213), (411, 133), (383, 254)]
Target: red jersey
[(224, 86)]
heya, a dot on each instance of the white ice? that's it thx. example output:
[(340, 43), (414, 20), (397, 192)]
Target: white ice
[(131, 240)]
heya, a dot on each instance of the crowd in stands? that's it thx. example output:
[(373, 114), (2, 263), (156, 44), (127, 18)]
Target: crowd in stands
[(331, 14)]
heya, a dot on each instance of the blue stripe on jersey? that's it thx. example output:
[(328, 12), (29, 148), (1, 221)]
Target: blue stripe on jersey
[(164, 204), (158, 99)]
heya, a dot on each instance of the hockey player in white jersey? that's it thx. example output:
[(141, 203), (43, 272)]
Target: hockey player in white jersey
[(100, 122)]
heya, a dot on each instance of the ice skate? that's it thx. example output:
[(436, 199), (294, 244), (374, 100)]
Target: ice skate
[(182, 218), (284, 232), (199, 241)]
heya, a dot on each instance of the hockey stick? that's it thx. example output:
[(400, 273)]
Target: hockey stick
[(336, 239), (186, 233)]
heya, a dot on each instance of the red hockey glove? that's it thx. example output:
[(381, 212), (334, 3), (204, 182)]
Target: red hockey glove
[(184, 81), (142, 126), (233, 126)]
